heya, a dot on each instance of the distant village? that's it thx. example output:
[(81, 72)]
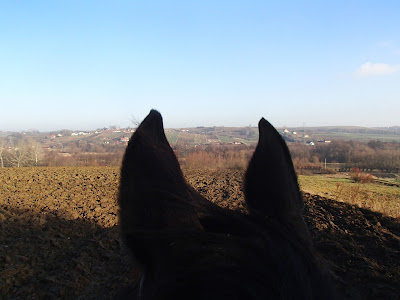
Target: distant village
[(198, 136), (294, 136), (122, 138), (203, 136)]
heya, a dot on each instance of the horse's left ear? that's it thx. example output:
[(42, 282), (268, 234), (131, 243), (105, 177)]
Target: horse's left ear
[(152, 187)]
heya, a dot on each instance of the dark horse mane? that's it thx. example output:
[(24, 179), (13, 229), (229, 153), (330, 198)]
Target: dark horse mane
[(189, 248)]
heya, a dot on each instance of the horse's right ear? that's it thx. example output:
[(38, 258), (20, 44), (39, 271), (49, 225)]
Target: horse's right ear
[(271, 187)]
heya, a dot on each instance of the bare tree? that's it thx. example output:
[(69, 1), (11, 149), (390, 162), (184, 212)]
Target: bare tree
[(35, 151), (19, 154), (2, 148)]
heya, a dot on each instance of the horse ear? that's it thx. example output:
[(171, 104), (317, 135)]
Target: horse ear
[(152, 187), (271, 186)]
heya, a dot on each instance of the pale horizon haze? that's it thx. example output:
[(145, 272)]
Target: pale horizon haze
[(92, 64)]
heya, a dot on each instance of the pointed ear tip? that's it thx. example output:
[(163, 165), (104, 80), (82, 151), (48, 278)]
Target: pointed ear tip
[(153, 117), (153, 121), (265, 128), (263, 124), (154, 114)]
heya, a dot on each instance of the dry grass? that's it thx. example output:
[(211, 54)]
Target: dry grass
[(374, 196)]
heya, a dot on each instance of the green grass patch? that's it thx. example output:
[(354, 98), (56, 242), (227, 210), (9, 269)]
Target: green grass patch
[(225, 138), (362, 137), (200, 139), (172, 136)]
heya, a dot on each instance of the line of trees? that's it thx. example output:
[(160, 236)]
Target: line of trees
[(20, 152), (374, 155), (56, 159), (215, 156)]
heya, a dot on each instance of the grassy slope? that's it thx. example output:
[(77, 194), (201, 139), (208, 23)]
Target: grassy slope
[(377, 197)]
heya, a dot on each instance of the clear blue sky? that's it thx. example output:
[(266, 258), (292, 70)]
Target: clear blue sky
[(90, 64)]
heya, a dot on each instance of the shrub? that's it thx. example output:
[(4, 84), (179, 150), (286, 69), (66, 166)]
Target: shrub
[(359, 176), (327, 171), (223, 158)]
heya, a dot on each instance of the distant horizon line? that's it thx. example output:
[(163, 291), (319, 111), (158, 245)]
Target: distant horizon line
[(215, 126)]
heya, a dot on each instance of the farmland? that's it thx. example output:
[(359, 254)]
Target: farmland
[(362, 137), (193, 137), (172, 136), (59, 232)]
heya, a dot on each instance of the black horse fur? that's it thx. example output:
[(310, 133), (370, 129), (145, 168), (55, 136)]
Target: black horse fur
[(189, 248)]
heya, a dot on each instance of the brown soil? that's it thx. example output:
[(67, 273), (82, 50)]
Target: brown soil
[(59, 235)]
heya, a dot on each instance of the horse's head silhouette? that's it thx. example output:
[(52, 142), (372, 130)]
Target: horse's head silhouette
[(190, 248)]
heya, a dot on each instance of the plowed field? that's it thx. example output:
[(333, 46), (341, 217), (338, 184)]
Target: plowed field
[(59, 235)]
